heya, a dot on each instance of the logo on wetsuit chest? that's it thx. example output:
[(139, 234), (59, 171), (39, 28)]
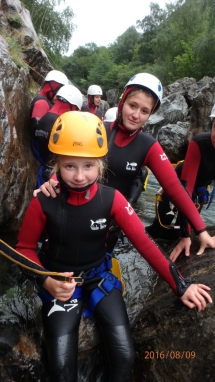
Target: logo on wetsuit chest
[(98, 224), (131, 166)]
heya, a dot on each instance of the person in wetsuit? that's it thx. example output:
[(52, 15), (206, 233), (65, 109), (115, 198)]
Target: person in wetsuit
[(43, 102), (77, 223), (130, 149), (94, 94), (196, 172), (68, 98)]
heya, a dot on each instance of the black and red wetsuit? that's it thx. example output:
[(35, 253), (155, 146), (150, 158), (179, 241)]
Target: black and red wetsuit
[(92, 109), (44, 127), (77, 225), (42, 103), (129, 152), (39, 106), (199, 164), (42, 134)]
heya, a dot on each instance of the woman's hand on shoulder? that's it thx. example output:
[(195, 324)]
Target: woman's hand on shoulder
[(59, 289), (196, 296), (48, 189)]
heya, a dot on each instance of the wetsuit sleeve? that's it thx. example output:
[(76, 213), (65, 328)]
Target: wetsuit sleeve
[(162, 169), (131, 225), (31, 229), (191, 167), (41, 107), (188, 179)]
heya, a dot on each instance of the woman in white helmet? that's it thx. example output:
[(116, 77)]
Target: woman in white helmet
[(130, 149), (43, 102), (94, 94), (196, 173), (68, 98)]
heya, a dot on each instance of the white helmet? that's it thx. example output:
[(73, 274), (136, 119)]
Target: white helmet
[(150, 82), (212, 115), (111, 114), (94, 90), (71, 94), (57, 76)]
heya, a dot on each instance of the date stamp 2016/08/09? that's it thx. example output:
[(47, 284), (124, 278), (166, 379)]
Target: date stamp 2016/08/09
[(170, 354)]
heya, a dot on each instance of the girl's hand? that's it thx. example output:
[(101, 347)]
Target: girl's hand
[(184, 244), (196, 297), (206, 241), (48, 188), (59, 289)]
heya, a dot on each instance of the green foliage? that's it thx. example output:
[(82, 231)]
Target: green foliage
[(53, 27), (174, 42), (15, 50), (15, 21), (123, 49)]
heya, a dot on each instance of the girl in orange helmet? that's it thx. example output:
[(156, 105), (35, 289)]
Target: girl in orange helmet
[(77, 223)]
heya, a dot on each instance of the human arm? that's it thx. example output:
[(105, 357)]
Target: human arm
[(128, 221), (206, 241), (162, 169), (49, 188), (30, 232), (196, 296)]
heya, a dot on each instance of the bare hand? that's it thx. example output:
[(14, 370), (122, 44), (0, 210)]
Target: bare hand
[(48, 189), (59, 289), (196, 297), (206, 241), (184, 244)]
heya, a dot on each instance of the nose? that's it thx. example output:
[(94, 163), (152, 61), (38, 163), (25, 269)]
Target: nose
[(79, 174), (136, 113)]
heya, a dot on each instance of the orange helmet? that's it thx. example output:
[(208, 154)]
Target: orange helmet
[(80, 134)]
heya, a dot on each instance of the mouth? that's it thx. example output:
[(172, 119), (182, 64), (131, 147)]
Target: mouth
[(132, 122)]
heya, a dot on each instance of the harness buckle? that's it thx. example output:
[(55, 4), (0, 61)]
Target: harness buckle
[(77, 279), (101, 288)]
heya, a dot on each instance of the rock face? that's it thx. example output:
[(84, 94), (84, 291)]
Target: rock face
[(173, 342), (18, 168)]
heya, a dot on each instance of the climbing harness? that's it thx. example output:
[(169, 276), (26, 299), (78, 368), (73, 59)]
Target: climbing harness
[(21, 260), (108, 275)]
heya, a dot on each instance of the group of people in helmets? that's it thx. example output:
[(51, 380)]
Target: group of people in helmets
[(56, 97), (94, 166)]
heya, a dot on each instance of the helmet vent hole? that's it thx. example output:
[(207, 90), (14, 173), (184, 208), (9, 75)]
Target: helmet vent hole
[(56, 137), (100, 141), (59, 127), (98, 131)]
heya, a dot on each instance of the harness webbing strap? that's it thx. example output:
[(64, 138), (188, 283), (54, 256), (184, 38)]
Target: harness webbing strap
[(21, 260)]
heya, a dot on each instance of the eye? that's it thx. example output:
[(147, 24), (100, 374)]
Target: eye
[(69, 166), (88, 165)]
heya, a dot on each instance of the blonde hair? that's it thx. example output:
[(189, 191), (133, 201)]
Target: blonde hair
[(102, 166)]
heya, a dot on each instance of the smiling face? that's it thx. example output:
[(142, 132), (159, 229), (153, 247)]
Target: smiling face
[(137, 109), (78, 172), (213, 133)]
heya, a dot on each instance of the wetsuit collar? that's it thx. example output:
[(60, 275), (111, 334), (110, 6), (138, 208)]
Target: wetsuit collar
[(85, 192)]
